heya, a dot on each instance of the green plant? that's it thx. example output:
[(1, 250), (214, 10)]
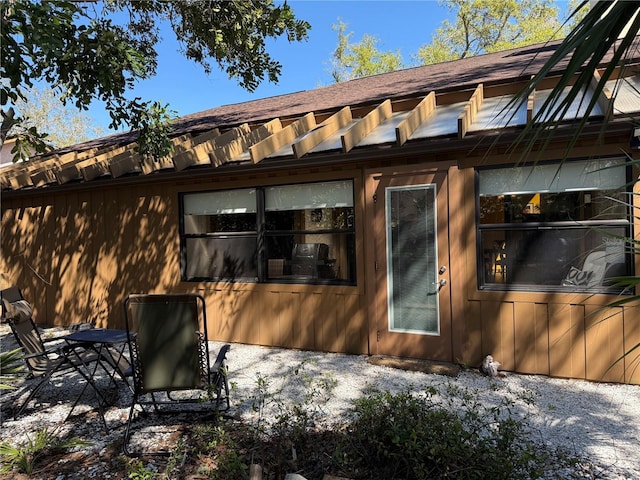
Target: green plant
[(25, 458), (218, 452), (137, 471), (11, 366), (440, 433)]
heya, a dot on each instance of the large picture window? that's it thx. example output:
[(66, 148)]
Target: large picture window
[(301, 233), (553, 227)]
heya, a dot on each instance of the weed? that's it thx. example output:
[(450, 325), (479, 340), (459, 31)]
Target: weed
[(137, 471), (452, 434), (25, 458)]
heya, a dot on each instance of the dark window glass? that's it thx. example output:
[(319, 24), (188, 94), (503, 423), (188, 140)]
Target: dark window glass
[(307, 236), (549, 229)]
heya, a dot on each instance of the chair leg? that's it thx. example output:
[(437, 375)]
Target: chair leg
[(127, 433), (46, 377)]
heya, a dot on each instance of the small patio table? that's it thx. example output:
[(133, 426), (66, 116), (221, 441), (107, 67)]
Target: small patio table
[(109, 345)]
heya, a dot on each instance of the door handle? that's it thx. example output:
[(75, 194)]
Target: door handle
[(441, 283)]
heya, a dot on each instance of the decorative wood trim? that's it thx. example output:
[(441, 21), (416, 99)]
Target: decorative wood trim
[(125, 162), (150, 165), (229, 151), (323, 131), (122, 164), (530, 105), (364, 127), (604, 100), (416, 117), (70, 172), (282, 137), (199, 154), (45, 177), (467, 117)]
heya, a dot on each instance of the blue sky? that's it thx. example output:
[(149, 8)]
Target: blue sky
[(402, 25)]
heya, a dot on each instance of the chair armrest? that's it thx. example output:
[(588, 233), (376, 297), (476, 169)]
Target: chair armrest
[(34, 355)]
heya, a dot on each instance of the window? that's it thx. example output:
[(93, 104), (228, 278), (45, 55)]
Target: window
[(300, 233), (553, 227)]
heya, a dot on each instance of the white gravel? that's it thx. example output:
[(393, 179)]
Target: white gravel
[(597, 420)]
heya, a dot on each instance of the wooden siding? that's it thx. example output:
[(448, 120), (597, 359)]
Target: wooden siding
[(556, 339), (557, 334), (77, 255), (319, 319)]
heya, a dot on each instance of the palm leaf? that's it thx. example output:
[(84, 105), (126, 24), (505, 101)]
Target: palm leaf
[(598, 39), (11, 366)]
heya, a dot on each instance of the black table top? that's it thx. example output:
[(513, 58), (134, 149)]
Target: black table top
[(98, 335)]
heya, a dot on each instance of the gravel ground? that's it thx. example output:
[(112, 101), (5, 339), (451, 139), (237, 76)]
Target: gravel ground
[(597, 420)]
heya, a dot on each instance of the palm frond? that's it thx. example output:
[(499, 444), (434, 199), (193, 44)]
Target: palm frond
[(11, 367), (599, 40)]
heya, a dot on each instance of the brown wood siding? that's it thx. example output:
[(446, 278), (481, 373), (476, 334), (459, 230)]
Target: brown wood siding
[(319, 319), (557, 339), (78, 254), (557, 334)]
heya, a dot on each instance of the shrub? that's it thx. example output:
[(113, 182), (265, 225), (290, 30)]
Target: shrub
[(419, 435)]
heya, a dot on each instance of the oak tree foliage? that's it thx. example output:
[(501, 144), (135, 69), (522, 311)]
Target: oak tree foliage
[(90, 50), (476, 27)]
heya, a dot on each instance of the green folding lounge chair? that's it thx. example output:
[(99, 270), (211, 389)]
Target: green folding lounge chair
[(170, 356)]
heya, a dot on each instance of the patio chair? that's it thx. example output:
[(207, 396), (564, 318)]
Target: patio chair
[(42, 362), (170, 356)]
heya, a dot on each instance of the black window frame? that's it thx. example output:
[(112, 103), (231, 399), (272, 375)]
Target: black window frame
[(557, 226), (262, 233)]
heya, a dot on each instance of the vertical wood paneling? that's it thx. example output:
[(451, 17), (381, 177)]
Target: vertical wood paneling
[(531, 338), (604, 335), (287, 320), (473, 344), (631, 342), (498, 332), (566, 341), (355, 326), (321, 331), (541, 319), (306, 336), (525, 337)]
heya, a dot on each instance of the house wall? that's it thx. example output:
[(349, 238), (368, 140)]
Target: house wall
[(557, 334), (78, 253)]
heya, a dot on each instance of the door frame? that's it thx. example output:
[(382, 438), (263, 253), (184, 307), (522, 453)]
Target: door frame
[(407, 344)]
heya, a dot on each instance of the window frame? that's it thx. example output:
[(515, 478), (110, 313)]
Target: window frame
[(564, 225), (262, 233)]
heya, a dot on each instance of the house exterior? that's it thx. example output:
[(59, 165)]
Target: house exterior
[(386, 215)]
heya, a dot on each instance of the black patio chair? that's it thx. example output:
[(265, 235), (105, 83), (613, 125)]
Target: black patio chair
[(170, 357), (43, 362)]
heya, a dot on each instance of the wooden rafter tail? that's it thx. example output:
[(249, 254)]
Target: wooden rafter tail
[(199, 154), (124, 164), (33, 173), (531, 102), (467, 117), (45, 177), (605, 99), (197, 140), (365, 126), (74, 171), (323, 131), (66, 167), (416, 117), (150, 165), (233, 149), (279, 139)]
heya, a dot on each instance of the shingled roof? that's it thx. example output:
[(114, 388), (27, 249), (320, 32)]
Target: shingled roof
[(451, 99)]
